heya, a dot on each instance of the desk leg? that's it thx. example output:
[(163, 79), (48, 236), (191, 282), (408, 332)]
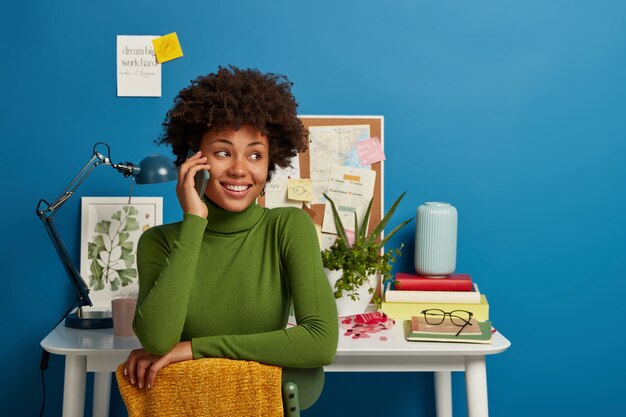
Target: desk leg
[(443, 394), (74, 386), (101, 394), (476, 386)]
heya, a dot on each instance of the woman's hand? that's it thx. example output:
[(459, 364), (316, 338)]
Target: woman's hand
[(188, 197), (142, 367)]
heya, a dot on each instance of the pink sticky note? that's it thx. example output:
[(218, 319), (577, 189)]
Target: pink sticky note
[(351, 237), (370, 151)]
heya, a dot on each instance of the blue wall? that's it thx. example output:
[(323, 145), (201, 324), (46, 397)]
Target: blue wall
[(512, 111)]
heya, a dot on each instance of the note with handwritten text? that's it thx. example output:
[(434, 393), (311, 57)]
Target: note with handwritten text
[(138, 72), (351, 189), (167, 47), (370, 151), (300, 189)]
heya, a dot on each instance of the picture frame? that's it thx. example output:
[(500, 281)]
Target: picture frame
[(110, 231)]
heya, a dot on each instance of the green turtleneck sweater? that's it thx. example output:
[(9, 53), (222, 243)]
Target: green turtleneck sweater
[(227, 282)]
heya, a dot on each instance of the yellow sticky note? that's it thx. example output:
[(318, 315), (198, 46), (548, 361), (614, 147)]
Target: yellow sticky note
[(167, 48), (299, 189)]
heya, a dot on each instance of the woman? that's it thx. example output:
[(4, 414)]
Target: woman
[(220, 283)]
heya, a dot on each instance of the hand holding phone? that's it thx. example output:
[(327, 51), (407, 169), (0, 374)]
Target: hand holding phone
[(201, 178)]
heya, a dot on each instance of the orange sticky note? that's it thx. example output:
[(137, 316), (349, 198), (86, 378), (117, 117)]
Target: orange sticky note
[(167, 48)]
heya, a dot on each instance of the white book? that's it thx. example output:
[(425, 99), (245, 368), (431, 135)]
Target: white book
[(402, 296)]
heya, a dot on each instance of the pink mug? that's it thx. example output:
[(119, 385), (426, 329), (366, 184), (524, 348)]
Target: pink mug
[(123, 315)]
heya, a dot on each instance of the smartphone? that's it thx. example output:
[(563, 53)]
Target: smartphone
[(201, 178)]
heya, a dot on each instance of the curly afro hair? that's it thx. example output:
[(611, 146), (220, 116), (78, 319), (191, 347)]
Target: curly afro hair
[(230, 99)]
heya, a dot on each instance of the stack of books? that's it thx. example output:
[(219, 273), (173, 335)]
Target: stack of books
[(414, 293), (419, 330)]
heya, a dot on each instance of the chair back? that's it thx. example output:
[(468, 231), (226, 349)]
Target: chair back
[(207, 387), (301, 388)]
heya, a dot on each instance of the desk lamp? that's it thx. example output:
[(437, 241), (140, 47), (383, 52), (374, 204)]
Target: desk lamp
[(151, 170)]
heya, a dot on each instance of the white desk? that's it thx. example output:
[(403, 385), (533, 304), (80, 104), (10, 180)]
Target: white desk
[(100, 351)]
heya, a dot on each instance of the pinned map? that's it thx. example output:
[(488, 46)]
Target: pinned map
[(330, 146)]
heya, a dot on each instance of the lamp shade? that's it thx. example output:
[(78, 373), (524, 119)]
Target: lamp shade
[(156, 168)]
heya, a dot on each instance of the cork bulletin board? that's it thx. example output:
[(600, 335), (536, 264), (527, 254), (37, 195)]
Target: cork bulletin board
[(307, 162)]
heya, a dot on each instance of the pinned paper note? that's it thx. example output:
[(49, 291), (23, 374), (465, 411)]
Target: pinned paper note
[(300, 189), (276, 194), (370, 151), (138, 72), (333, 145), (351, 189), (276, 189), (167, 47)]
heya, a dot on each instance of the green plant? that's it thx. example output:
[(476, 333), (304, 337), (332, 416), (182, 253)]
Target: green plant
[(366, 256)]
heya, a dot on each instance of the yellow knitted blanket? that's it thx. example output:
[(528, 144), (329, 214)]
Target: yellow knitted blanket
[(209, 387)]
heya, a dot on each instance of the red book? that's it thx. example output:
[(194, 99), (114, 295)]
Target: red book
[(453, 282)]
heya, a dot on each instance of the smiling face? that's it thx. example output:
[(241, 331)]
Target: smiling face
[(239, 164)]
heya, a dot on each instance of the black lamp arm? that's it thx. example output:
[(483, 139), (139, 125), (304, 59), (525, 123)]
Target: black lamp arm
[(96, 159), (46, 212), (80, 286)]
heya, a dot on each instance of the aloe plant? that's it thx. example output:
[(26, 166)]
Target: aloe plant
[(366, 256)]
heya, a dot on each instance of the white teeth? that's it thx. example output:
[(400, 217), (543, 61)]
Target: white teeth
[(236, 187)]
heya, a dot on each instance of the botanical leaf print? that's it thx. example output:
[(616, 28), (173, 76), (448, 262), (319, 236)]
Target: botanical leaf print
[(112, 252)]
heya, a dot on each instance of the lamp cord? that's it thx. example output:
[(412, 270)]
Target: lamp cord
[(45, 357), (43, 365)]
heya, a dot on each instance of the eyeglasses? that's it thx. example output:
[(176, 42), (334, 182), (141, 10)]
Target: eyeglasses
[(435, 317)]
